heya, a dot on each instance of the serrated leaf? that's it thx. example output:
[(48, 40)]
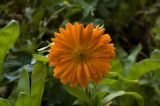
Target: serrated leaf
[(8, 36)]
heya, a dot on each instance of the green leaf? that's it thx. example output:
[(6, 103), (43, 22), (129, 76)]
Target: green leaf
[(116, 66), (155, 54), (23, 85), (121, 53), (142, 67), (8, 36), (104, 88), (23, 100), (97, 98), (5, 102), (113, 95), (157, 90), (77, 92), (40, 58), (37, 17), (88, 8), (73, 11), (119, 76), (131, 59), (38, 81)]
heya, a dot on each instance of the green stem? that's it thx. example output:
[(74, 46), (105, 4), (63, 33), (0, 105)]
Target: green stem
[(123, 78), (87, 91)]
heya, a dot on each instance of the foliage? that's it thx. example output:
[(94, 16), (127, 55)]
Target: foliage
[(26, 78), (11, 33)]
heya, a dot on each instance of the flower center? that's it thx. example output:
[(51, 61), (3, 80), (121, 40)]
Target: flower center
[(81, 56)]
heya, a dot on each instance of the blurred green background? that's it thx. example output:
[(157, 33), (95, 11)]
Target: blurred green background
[(129, 23)]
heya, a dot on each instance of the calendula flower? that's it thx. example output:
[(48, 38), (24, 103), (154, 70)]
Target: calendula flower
[(80, 54)]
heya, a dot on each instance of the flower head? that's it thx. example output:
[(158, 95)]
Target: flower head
[(80, 54)]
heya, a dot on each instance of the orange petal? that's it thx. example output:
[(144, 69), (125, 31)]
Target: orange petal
[(68, 71), (73, 80), (58, 36), (62, 31), (59, 70), (105, 39), (81, 76), (97, 33), (88, 31), (87, 71), (62, 44), (80, 33), (93, 72)]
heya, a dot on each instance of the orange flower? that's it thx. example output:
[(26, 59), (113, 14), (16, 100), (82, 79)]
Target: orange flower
[(80, 54)]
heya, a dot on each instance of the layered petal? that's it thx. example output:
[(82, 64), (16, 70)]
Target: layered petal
[(80, 54)]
